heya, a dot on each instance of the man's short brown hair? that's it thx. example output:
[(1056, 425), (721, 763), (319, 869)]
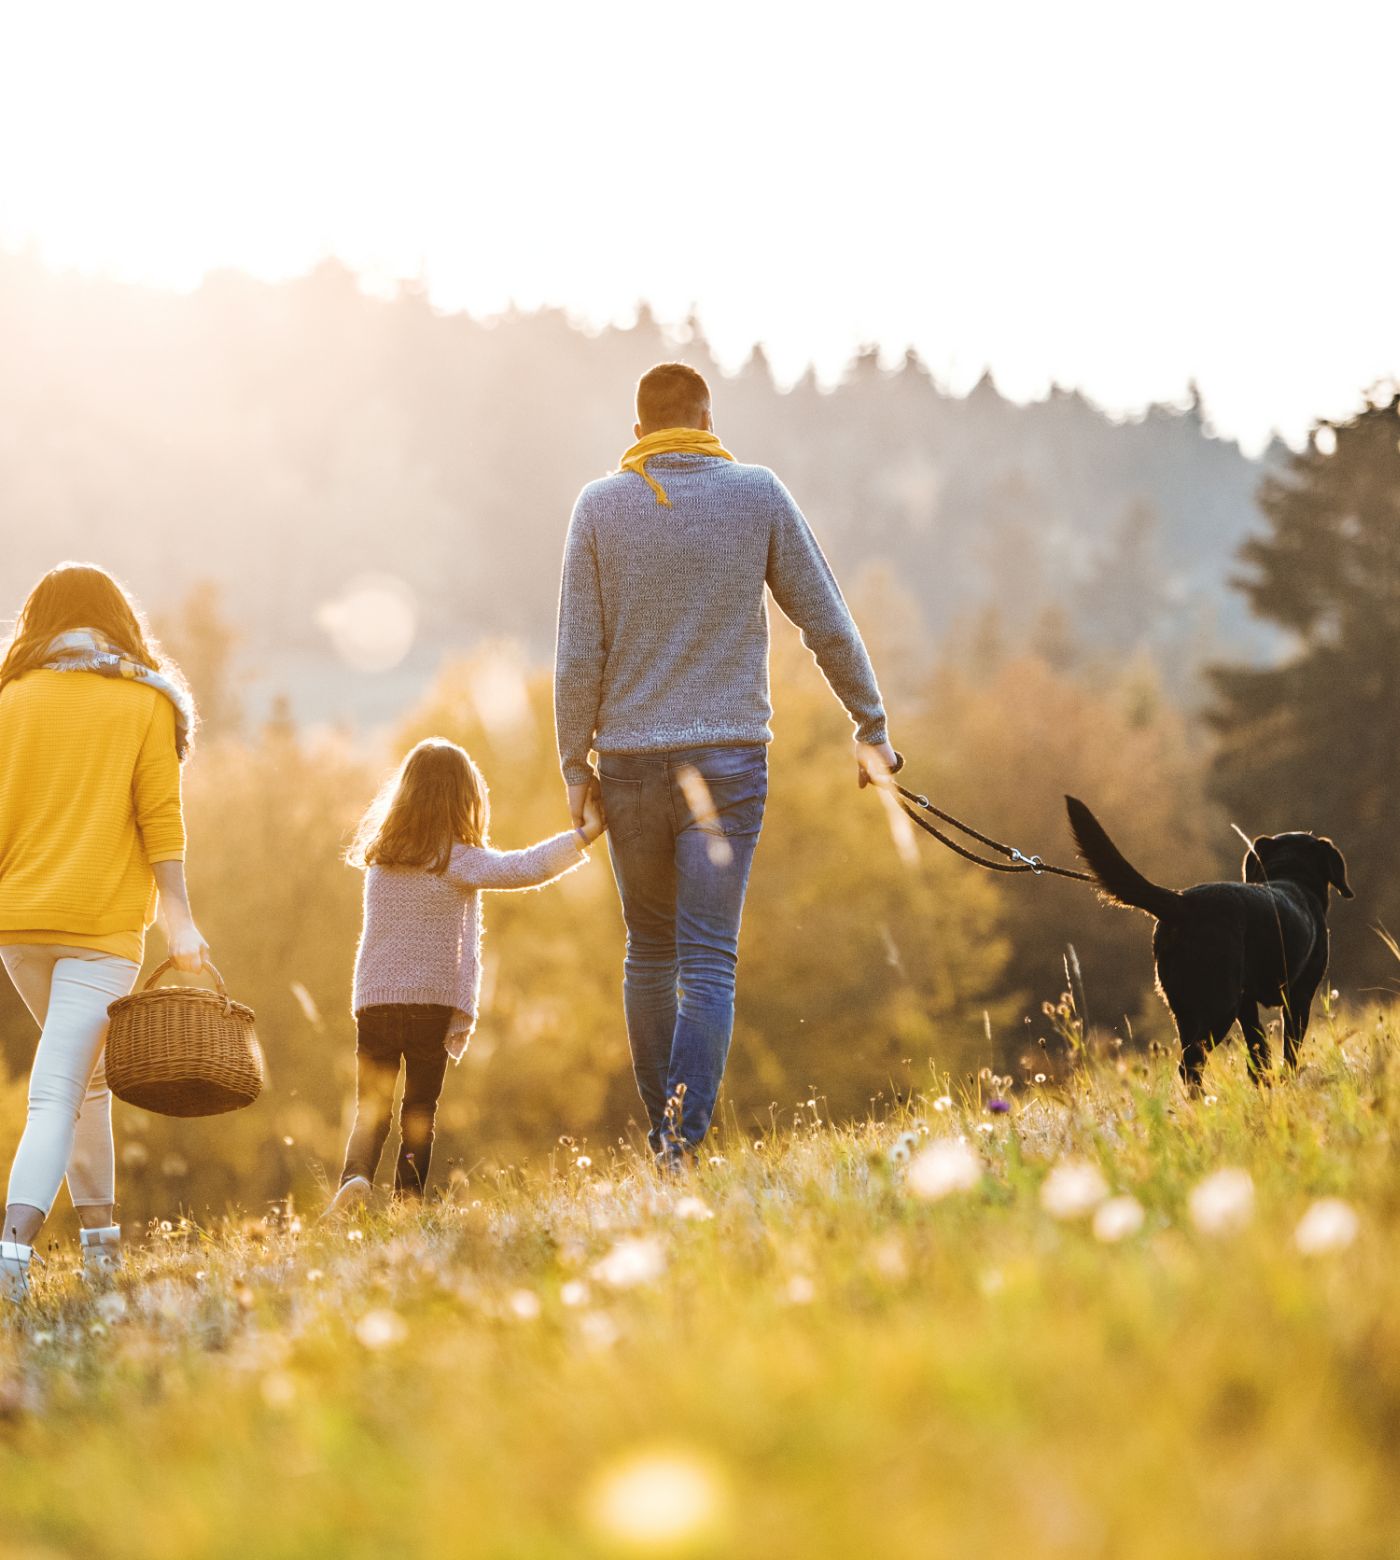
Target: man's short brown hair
[(671, 395)]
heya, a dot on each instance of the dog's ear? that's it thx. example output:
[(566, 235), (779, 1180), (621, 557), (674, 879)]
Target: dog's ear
[(1254, 860), (1337, 869)]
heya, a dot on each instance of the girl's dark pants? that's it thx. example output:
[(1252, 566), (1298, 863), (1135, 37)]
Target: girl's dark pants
[(415, 1034)]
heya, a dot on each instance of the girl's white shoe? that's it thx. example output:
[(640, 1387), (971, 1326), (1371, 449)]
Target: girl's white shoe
[(349, 1197), (14, 1270), (102, 1251)]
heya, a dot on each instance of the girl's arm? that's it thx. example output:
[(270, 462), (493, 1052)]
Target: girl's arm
[(478, 866)]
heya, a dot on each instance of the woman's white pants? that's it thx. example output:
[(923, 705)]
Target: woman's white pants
[(69, 1127)]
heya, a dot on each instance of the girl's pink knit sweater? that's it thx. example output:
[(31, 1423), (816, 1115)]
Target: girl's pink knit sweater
[(420, 941)]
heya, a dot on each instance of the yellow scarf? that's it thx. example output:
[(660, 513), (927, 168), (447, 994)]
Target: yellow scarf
[(670, 441)]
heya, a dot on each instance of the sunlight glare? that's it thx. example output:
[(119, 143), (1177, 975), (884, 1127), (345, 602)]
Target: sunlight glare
[(372, 623)]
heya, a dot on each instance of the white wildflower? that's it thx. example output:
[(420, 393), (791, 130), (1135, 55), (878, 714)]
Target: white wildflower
[(278, 1389), (111, 1307), (1117, 1218), (635, 1260), (890, 1259), (1329, 1225), (1072, 1190), (691, 1207), (525, 1304), (1223, 1202), (903, 1146), (381, 1329), (657, 1502), (598, 1329), (946, 1165)]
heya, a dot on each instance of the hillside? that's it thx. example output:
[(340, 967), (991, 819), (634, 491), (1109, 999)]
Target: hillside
[(1103, 1321)]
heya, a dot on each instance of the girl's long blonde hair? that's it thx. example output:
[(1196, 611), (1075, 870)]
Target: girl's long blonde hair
[(80, 595), (436, 799)]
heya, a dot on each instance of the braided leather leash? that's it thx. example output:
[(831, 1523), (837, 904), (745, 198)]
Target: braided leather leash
[(1016, 861)]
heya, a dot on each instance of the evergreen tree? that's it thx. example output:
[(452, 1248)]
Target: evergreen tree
[(1314, 741)]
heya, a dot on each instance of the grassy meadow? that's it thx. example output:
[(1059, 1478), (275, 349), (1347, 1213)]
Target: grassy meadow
[(1083, 1316)]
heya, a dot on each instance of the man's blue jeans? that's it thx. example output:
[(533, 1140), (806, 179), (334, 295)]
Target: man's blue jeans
[(682, 828)]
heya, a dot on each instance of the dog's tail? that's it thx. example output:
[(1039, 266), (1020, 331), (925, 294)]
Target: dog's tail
[(1119, 881)]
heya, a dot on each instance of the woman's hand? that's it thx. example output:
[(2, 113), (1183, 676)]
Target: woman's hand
[(593, 822), (188, 948)]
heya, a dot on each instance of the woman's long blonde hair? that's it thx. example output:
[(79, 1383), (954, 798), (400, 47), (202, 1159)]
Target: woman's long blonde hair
[(436, 799), (81, 595)]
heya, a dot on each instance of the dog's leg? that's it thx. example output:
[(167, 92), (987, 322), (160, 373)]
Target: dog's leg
[(1194, 1038), (1199, 1037), (1257, 1041), (1297, 1009)]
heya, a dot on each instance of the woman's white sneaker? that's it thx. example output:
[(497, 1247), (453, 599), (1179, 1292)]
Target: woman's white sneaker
[(14, 1270), (102, 1251)]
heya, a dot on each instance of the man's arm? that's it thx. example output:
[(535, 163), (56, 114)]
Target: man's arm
[(579, 659), (805, 588)]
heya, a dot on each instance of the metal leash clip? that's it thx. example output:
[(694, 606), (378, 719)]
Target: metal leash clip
[(1033, 862)]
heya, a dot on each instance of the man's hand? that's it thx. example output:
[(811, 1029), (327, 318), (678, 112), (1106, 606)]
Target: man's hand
[(584, 799), (875, 764), (578, 797), (593, 821)]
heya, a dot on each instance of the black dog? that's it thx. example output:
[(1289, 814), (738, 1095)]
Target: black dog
[(1223, 949)]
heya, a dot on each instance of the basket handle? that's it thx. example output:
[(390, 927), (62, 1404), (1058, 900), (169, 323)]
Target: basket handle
[(169, 964)]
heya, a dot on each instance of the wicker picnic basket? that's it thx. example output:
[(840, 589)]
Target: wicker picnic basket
[(183, 1050)]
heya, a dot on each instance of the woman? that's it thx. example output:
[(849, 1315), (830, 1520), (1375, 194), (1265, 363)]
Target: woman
[(94, 725)]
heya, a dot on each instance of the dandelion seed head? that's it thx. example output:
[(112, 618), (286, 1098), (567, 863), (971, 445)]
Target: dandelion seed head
[(111, 1307), (1223, 1202), (381, 1329), (524, 1304), (657, 1500), (693, 1208), (278, 1390), (1330, 1224), (945, 1166), (574, 1293), (800, 1290), (632, 1261), (890, 1259), (1117, 1219), (598, 1330), (1072, 1190)]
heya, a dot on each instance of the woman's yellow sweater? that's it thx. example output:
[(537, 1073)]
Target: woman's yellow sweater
[(89, 800)]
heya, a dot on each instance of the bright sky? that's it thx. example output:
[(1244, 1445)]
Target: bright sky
[(1116, 196)]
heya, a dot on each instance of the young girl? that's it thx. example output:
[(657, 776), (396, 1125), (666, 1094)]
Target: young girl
[(423, 849)]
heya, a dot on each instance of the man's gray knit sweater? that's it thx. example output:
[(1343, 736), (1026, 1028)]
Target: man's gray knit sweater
[(663, 621)]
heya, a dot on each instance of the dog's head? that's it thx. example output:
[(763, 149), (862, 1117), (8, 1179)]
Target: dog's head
[(1298, 858)]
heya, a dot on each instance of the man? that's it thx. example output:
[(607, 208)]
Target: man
[(662, 669)]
